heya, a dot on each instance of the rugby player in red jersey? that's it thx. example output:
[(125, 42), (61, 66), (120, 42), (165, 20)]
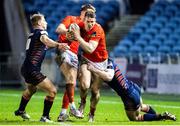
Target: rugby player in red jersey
[(93, 44), (68, 61)]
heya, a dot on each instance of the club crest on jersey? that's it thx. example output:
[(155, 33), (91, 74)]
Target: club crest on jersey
[(93, 34)]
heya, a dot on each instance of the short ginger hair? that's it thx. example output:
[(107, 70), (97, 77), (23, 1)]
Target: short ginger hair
[(86, 7)]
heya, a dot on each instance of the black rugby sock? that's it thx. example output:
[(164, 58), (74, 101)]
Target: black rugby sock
[(23, 103), (47, 106)]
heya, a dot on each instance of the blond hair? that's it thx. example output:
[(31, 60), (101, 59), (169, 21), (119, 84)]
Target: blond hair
[(35, 18)]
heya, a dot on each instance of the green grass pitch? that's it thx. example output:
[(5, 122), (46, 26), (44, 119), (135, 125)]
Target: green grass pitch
[(110, 110)]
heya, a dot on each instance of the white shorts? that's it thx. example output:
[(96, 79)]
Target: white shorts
[(98, 65), (70, 58)]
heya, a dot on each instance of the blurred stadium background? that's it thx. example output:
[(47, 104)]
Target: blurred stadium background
[(143, 36)]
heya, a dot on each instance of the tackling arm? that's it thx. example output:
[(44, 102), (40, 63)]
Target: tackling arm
[(106, 75), (51, 43)]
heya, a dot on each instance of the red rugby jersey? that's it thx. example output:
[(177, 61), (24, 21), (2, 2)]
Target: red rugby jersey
[(100, 54), (74, 45)]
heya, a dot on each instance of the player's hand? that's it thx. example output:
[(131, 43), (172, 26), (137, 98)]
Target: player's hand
[(90, 67), (70, 35), (76, 31), (63, 46)]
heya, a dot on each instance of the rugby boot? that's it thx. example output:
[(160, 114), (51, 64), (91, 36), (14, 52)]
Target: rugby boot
[(168, 116), (62, 117), (23, 114)]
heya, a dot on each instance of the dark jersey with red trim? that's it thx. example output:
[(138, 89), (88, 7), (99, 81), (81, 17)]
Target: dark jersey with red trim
[(35, 50), (118, 78), (127, 90)]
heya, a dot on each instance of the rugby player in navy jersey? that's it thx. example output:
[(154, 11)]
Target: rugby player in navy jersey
[(130, 94), (37, 44)]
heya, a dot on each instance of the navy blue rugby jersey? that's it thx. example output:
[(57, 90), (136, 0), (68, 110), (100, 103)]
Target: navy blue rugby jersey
[(35, 50), (119, 82)]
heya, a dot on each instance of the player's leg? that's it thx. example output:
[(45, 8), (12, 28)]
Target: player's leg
[(85, 80), (147, 109), (47, 86), (31, 89), (70, 74), (65, 101), (132, 102), (95, 95), (63, 116), (60, 59), (133, 115), (144, 107), (136, 116), (68, 63), (152, 115)]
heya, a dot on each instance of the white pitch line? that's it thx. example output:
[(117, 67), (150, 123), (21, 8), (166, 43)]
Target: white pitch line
[(161, 106), (102, 101), (52, 123)]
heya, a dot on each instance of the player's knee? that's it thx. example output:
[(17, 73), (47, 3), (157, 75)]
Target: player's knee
[(133, 118), (84, 86), (95, 90), (53, 92), (33, 91), (71, 78), (83, 89), (71, 81), (29, 92), (95, 94), (140, 117)]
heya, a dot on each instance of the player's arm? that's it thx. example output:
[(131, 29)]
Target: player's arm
[(51, 43), (61, 29), (88, 47), (106, 75)]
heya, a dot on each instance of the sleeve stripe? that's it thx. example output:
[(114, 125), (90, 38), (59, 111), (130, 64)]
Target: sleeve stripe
[(44, 32)]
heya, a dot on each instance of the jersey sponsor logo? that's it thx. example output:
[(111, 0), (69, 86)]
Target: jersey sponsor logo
[(93, 34)]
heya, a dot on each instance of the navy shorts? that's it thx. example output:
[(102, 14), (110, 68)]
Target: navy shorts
[(132, 100), (33, 77)]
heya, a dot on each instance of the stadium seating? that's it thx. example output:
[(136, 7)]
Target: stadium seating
[(156, 35), (120, 51), (56, 10), (126, 42), (141, 43), (150, 49)]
